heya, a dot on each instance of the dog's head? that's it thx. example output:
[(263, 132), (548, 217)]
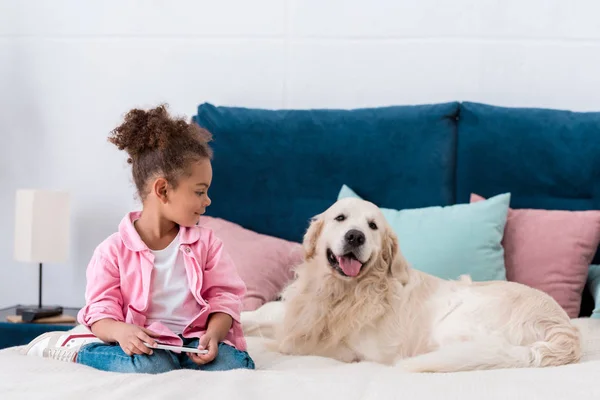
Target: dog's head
[(353, 239)]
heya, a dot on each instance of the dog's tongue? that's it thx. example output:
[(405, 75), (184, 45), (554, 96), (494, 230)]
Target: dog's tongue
[(349, 265)]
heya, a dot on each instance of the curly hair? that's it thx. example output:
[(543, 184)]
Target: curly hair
[(159, 144)]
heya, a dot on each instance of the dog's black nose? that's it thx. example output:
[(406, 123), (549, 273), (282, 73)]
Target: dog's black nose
[(355, 238)]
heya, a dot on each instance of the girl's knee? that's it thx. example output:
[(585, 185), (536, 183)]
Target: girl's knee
[(231, 358)]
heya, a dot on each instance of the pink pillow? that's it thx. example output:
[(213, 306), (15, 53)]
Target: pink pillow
[(264, 262), (551, 250)]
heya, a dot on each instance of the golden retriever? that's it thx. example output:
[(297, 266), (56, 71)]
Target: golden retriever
[(356, 298)]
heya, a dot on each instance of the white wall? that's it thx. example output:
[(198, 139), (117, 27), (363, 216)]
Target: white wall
[(69, 69)]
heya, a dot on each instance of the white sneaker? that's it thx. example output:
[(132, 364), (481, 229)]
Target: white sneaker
[(59, 345)]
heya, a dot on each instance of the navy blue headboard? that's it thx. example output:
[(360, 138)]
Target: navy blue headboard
[(275, 169)]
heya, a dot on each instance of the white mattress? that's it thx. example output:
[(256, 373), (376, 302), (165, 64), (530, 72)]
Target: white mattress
[(279, 377)]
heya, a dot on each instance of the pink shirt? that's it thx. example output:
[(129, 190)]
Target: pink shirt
[(119, 276)]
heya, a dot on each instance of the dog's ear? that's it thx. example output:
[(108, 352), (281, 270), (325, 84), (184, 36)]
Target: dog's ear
[(312, 234), (397, 265)]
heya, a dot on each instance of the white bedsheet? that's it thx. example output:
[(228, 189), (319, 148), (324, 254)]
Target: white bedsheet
[(280, 377)]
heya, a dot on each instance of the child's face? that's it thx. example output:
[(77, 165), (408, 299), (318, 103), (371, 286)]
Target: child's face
[(189, 200)]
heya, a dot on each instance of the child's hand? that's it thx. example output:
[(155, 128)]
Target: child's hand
[(131, 338), (208, 342)]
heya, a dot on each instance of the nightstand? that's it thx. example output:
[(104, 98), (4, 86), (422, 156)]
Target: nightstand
[(18, 334)]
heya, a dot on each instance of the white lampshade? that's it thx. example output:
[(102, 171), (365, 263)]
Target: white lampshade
[(42, 226)]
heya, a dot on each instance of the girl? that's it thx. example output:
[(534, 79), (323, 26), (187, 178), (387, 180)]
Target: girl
[(160, 278)]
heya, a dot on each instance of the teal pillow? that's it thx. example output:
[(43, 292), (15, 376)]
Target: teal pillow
[(593, 282), (454, 240)]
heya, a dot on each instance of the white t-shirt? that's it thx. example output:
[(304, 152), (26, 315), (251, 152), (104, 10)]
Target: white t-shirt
[(169, 290)]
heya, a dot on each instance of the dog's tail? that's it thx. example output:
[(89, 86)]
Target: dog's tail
[(562, 345)]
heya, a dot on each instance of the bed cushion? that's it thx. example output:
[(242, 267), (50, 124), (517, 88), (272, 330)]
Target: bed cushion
[(454, 240), (275, 169), (547, 159), (263, 262), (551, 251)]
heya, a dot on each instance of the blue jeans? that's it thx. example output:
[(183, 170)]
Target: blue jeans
[(110, 357)]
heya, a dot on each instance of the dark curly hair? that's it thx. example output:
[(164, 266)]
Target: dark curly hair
[(159, 144)]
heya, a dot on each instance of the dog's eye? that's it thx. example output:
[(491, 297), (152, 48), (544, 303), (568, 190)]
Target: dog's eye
[(340, 217), (373, 225)]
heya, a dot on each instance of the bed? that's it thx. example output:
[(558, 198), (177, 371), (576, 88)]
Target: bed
[(278, 376)]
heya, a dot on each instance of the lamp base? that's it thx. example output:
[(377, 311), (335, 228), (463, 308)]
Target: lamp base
[(31, 313)]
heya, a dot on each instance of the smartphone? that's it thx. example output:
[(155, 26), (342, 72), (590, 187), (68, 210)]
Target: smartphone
[(177, 348)]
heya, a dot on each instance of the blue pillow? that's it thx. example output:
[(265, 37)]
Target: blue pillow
[(593, 282), (454, 240)]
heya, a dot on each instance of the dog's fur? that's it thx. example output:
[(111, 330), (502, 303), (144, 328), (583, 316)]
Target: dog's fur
[(393, 314)]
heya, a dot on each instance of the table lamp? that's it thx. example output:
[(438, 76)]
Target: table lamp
[(41, 236)]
